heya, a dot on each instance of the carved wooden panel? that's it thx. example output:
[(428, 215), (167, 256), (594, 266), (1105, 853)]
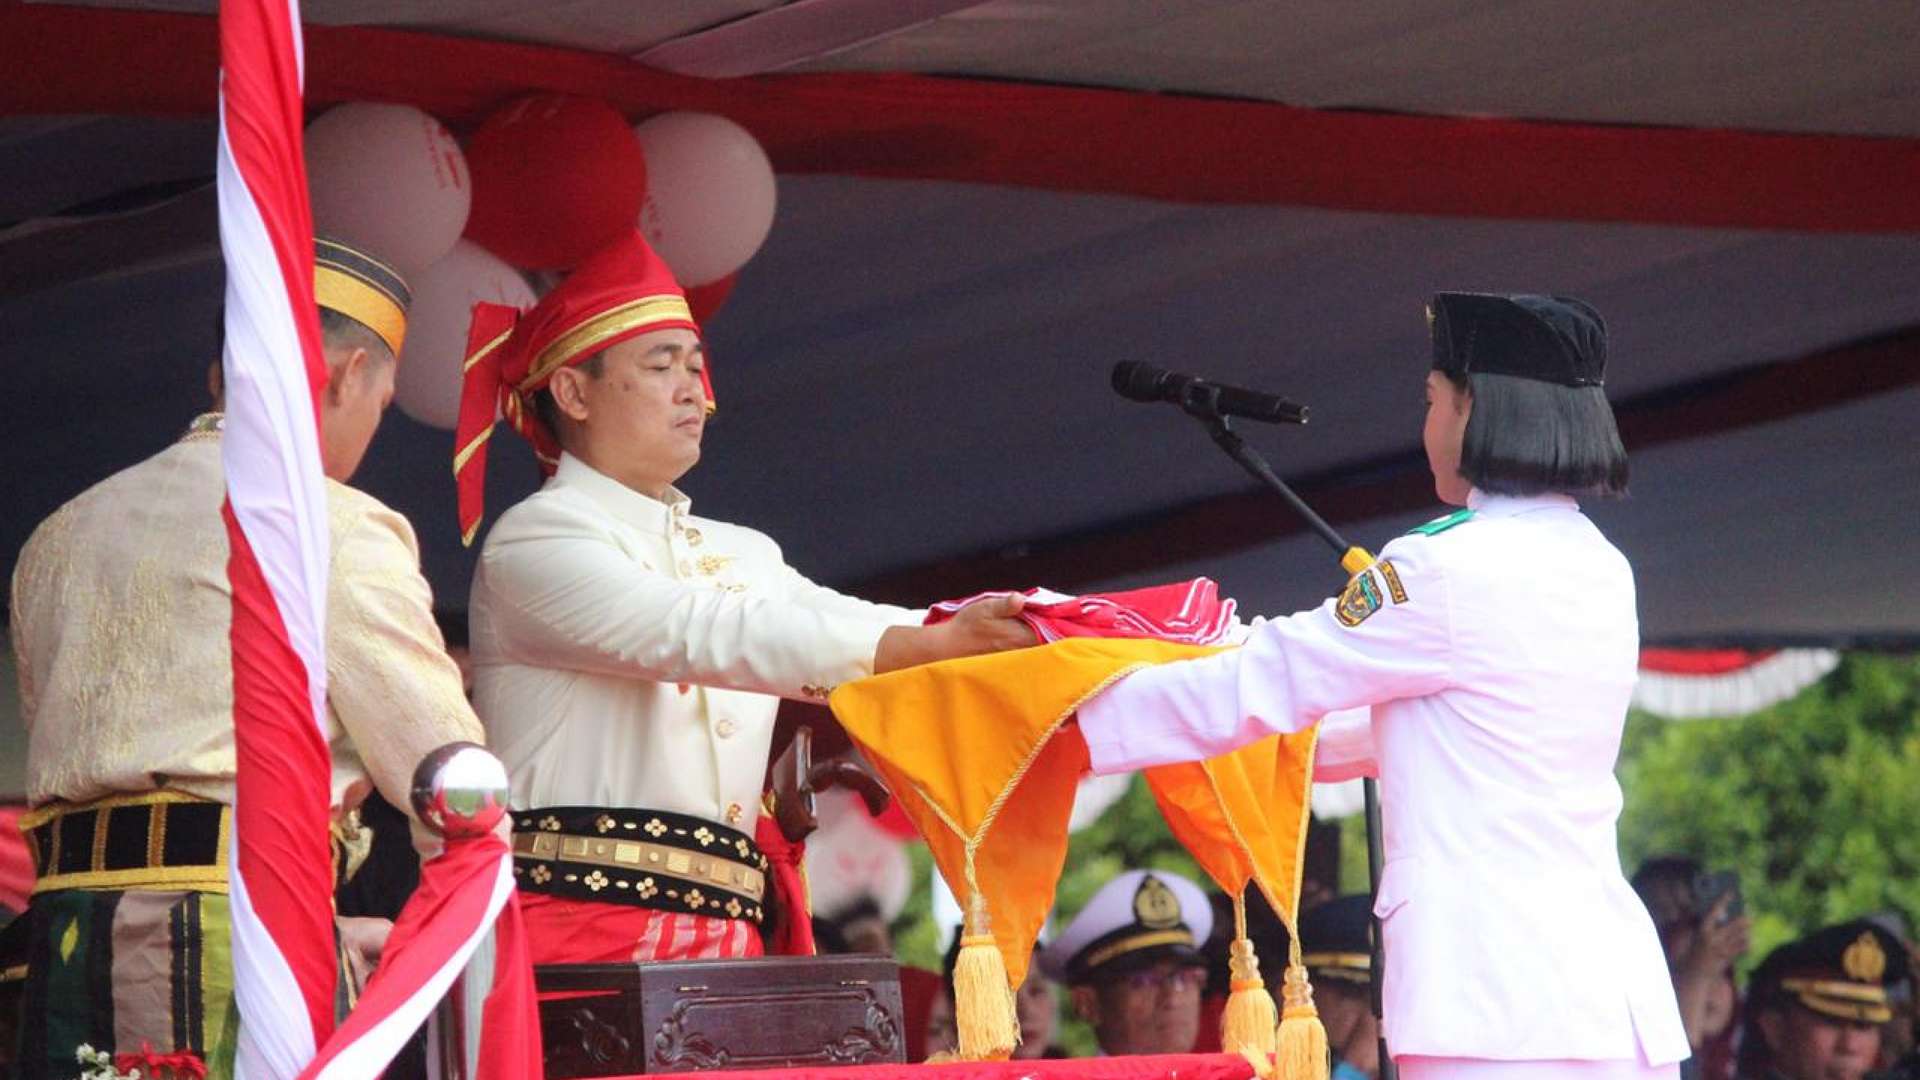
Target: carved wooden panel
[(686, 1016)]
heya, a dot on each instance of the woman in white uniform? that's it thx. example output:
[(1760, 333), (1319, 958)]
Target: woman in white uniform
[(1497, 647)]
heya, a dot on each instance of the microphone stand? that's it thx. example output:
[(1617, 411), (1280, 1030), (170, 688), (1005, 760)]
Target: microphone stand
[(1203, 404)]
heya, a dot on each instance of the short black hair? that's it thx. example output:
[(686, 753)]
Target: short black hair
[(547, 411), (345, 331), (1528, 437)]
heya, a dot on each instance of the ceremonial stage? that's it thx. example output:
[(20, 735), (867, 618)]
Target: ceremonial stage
[(915, 263), (1168, 1067)]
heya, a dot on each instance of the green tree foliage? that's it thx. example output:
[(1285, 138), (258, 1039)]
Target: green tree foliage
[(1815, 802)]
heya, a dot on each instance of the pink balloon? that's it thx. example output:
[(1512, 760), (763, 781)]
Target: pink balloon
[(388, 179), (710, 194), (427, 384)]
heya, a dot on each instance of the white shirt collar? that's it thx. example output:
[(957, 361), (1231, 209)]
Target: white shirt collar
[(1487, 504), (641, 511)]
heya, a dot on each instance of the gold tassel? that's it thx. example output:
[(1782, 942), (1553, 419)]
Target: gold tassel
[(1303, 1038), (983, 1008), (1247, 1027)]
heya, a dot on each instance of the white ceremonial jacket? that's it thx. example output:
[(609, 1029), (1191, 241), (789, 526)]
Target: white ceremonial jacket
[(629, 654), (1497, 656)]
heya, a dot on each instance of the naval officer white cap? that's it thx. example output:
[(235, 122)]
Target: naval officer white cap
[(1136, 920)]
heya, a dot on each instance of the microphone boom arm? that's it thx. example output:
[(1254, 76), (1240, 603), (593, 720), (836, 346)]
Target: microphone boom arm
[(1203, 404)]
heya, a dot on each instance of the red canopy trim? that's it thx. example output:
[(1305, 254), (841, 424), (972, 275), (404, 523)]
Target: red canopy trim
[(1162, 146)]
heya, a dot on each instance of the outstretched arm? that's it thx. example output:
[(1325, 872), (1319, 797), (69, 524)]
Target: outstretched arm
[(1387, 636)]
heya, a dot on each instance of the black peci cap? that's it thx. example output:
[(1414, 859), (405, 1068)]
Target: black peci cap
[(1554, 339)]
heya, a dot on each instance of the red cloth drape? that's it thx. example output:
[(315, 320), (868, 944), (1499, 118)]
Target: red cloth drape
[(794, 934), (85, 60)]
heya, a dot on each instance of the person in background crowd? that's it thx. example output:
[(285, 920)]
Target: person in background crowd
[(1336, 947), (1897, 1043), (1132, 964), (860, 928), (1036, 1006), (1816, 1005), (926, 1014), (1702, 945)]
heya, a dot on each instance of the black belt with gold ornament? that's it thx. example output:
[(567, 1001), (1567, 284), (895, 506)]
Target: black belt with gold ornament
[(642, 858)]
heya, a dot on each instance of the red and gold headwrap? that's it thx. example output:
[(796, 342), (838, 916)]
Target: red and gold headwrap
[(621, 291)]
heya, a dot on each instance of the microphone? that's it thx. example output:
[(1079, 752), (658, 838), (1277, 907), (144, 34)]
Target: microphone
[(1136, 381)]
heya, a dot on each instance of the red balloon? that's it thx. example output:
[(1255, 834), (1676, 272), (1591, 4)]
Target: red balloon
[(555, 178), (705, 300)]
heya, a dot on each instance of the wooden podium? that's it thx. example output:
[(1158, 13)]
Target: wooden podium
[(692, 1015)]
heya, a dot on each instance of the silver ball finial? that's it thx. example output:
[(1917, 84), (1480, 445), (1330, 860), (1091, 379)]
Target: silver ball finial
[(460, 791)]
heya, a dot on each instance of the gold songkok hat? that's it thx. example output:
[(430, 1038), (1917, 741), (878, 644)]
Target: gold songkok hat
[(361, 287)]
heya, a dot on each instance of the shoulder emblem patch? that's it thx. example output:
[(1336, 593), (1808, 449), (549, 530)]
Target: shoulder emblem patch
[(1364, 595), (1442, 524), (1394, 588)]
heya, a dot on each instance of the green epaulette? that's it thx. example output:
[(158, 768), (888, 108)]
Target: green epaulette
[(1442, 524)]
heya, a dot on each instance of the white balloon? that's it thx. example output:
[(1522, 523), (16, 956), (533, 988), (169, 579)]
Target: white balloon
[(427, 384), (388, 179), (710, 194)]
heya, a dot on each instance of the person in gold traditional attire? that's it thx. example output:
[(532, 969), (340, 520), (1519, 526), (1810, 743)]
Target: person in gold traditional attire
[(121, 608), (628, 655)]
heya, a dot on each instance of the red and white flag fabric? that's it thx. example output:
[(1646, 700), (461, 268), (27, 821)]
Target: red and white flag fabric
[(462, 893), (285, 968), (280, 866), (1192, 612)]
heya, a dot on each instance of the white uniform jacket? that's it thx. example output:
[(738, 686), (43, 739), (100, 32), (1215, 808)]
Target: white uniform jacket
[(629, 654), (1497, 656)]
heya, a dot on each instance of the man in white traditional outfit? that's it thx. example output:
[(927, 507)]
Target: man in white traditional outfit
[(629, 656), (121, 609)]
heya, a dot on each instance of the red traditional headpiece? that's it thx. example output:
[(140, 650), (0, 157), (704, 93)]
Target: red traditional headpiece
[(621, 291)]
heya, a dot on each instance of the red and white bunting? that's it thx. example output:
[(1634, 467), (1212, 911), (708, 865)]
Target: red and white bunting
[(1692, 684)]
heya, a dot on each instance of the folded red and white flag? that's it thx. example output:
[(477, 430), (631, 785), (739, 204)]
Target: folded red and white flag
[(1191, 612)]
